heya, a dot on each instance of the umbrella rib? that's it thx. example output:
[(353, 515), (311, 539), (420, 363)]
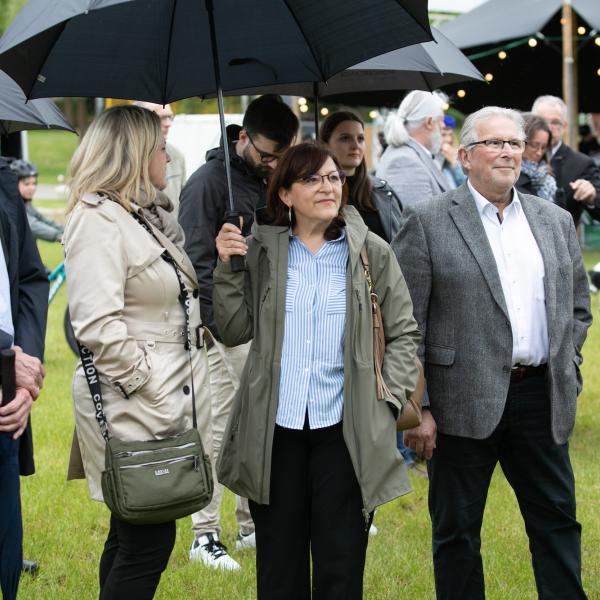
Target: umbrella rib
[(164, 96), (321, 74)]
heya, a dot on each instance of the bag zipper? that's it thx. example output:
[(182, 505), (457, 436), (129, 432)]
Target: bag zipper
[(169, 461), (125, 453)]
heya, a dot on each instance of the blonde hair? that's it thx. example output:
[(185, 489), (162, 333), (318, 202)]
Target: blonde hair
[(113, 158)]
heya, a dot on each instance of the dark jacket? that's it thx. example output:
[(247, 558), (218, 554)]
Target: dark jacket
[(28, 285), (203, 206), (569, 165), (388, 206)]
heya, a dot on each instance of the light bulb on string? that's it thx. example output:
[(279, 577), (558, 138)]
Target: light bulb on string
[(532, 42), (502, 55), (488, 77), (461, 93)]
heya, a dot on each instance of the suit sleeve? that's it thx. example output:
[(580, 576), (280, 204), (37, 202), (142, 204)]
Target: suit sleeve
[(412, 252), (30, 321), (201, 215), (592, 174)]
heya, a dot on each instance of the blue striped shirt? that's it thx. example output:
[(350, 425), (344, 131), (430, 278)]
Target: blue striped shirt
[(312, 360)]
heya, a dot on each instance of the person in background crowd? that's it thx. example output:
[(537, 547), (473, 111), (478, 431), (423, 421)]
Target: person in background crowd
[(577, 176), (176, 166), (414, 135), (126, 305), (42, 227), (268, 128), (23, 313), (501, 295), (307, 440), (588, 144), (536, 176), (447, 158), (376, 202)]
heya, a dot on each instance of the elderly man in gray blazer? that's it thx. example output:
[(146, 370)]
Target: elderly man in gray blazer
[(501, 297), (414, 135)]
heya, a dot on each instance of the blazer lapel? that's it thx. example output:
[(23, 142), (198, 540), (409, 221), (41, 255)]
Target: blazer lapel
[(543, 232), (468, 222), (428, 161)]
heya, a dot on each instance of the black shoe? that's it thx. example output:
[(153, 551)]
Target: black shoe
[(30, 566)]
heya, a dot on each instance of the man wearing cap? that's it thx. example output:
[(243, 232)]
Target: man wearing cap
[(414, 135)]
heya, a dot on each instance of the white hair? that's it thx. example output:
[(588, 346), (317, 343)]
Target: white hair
[(413, 111), (469, 134), (552, 101)]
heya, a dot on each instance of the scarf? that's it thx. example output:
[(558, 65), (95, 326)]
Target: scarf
[(542, 181), (160, 214)]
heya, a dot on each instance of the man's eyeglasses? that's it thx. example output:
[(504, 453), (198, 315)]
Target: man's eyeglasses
[(265, 157), (555, 123), (495, 145), (335, 178)]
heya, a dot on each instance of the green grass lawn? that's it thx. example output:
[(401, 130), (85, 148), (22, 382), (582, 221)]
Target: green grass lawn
[(65, 531), (51, 151)]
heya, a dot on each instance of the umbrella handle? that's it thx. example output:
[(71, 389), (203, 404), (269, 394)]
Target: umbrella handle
[(238, 262)]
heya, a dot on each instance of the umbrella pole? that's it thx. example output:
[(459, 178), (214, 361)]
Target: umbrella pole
[(316, 105), (233, 216)]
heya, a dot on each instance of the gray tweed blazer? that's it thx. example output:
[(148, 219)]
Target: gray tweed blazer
[(459, 305)]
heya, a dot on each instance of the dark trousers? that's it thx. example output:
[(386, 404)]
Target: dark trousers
[(540, 473), (315, 507), (134, 558), (11, 527)]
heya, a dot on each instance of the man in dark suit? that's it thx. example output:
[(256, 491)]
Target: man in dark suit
[(577, 175), (23, 309), (501, 297)]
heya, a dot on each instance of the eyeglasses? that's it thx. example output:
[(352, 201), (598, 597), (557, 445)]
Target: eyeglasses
[(335, 178), (537, 147), (496, 145), (555, 123), (265, 157)]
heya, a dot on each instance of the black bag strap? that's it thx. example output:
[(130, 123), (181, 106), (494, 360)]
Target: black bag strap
[(87, 358)]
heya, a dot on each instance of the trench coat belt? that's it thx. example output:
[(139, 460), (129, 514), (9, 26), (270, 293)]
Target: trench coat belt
[(146, 331)]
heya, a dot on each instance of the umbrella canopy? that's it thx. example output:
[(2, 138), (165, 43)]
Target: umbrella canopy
[(379, 81), (160, 50), (525, 72), (16, 114)]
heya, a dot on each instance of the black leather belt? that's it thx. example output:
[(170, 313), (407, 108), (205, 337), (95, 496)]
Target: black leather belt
[(520, 372)]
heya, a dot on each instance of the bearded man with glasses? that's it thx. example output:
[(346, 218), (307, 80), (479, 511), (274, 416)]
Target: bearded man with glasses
[(501, 297), (268, 129)]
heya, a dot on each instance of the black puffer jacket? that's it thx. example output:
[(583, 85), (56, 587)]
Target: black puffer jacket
[(388, 207), (203, 206)]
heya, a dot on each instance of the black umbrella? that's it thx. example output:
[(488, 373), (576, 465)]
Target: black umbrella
[(380, 80), (16, 114), (165, 50)]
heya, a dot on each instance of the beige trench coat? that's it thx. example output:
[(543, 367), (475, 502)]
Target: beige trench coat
[(123, 302)]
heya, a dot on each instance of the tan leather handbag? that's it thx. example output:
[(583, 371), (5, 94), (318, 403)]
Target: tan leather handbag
[(411, 410)]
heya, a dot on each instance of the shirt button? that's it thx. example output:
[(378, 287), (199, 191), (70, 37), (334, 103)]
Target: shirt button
[(308, 341), (186, 389), (306, 370)]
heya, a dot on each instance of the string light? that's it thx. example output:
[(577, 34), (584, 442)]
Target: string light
[(502, 55), (581, 30), (373, 114), (461, 93), (445, 107), (488, 77), (598, 72), (532, 42), (303, 108), (301, 101), (597, 41), (324, 111)]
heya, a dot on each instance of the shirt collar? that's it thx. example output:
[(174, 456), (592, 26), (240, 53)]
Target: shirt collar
[(338, 239), (554, 149), (483, 204)]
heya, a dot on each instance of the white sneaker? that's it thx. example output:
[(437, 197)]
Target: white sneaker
[(245, 542), (373, 530), (210, 551)]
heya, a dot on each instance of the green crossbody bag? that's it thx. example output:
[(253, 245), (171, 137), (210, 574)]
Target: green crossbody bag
[(153, 481)]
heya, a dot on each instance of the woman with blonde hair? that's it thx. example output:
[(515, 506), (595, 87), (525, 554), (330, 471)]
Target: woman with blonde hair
[(131, 291)]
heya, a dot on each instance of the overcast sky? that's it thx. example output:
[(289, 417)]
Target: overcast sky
[(454, 5)]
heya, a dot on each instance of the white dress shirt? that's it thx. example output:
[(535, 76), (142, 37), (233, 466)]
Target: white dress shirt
[(6, 322), (521, 270)]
